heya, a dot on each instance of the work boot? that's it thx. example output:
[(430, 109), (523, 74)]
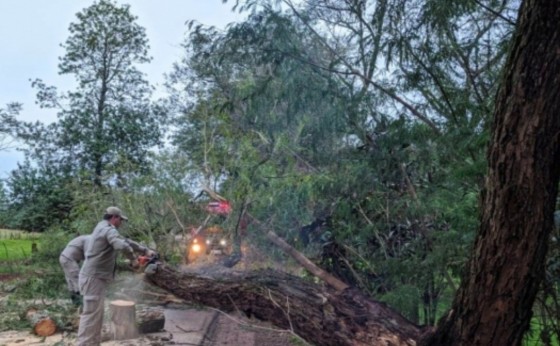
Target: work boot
[(76, 298)]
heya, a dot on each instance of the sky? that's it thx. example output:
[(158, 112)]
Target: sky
[(31, 32)]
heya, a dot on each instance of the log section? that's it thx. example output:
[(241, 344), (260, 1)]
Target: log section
[(123, 319), (150, 319), (41, 323)]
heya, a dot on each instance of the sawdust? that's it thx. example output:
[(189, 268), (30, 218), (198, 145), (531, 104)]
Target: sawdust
[(226, 330)]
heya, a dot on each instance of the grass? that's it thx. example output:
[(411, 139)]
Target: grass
[(15, 249), (28, 276), (16, 245)]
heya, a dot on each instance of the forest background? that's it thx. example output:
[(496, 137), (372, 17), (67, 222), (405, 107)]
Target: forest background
[(356, 130)]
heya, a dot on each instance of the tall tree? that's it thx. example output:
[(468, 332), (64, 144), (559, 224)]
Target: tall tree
[(7, 119), (107, 124), (493, 304)]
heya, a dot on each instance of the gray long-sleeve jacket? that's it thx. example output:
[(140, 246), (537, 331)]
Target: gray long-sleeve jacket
[(101, 253), (75, 249)]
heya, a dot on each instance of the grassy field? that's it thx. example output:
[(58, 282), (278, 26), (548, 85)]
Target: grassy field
[(16, 245)]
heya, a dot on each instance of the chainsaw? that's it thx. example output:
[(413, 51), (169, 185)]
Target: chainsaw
[(144, 261)]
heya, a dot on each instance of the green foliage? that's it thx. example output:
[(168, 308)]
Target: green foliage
[(38, 289), (404, 298), (7, 119), (541, 334), (107, 125), (271, 115), (51, 245), (33, 279), (47, 285), (39, 197), (4, 205)]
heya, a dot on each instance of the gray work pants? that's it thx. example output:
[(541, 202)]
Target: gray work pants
[(91, 319), (71, 273)]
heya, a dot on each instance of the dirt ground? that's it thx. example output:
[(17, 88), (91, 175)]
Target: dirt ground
[(225, 330), (237, 331)]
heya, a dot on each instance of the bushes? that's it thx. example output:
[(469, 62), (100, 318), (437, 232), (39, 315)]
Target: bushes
[(37, 198)]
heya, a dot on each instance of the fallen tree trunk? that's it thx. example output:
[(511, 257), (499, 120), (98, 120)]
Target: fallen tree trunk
[(318, 314)]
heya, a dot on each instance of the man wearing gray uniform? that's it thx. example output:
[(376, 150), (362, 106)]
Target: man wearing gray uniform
[(98, 271), (70, 259)]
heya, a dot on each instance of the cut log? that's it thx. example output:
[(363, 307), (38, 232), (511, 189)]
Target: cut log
[(41, 323), (151, 319), (123, 319), (317, 313)]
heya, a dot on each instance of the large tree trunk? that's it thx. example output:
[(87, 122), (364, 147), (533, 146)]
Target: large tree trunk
[(493, 304), (319, 314)]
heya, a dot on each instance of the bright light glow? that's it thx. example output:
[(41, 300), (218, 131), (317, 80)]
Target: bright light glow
[(223, 242), (196, 247), (208, 241)]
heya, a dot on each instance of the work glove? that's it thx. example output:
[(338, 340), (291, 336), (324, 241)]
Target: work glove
[(134, 264)]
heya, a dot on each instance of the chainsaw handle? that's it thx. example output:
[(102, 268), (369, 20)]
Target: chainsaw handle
[(143, 260)]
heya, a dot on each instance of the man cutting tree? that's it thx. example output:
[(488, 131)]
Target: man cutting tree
[(99, 270)]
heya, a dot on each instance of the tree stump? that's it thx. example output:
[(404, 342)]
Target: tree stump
[(41, 323), (149, 319), (123, 319)]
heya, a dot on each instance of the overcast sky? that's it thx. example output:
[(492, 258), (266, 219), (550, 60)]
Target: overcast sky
[(31, 32)]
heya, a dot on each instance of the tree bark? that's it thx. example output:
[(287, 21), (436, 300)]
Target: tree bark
[(123, 320), (493, 304), (150, 319), (321, 315)]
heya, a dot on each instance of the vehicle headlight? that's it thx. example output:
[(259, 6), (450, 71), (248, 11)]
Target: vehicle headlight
[(223, 242), (196, 247)]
